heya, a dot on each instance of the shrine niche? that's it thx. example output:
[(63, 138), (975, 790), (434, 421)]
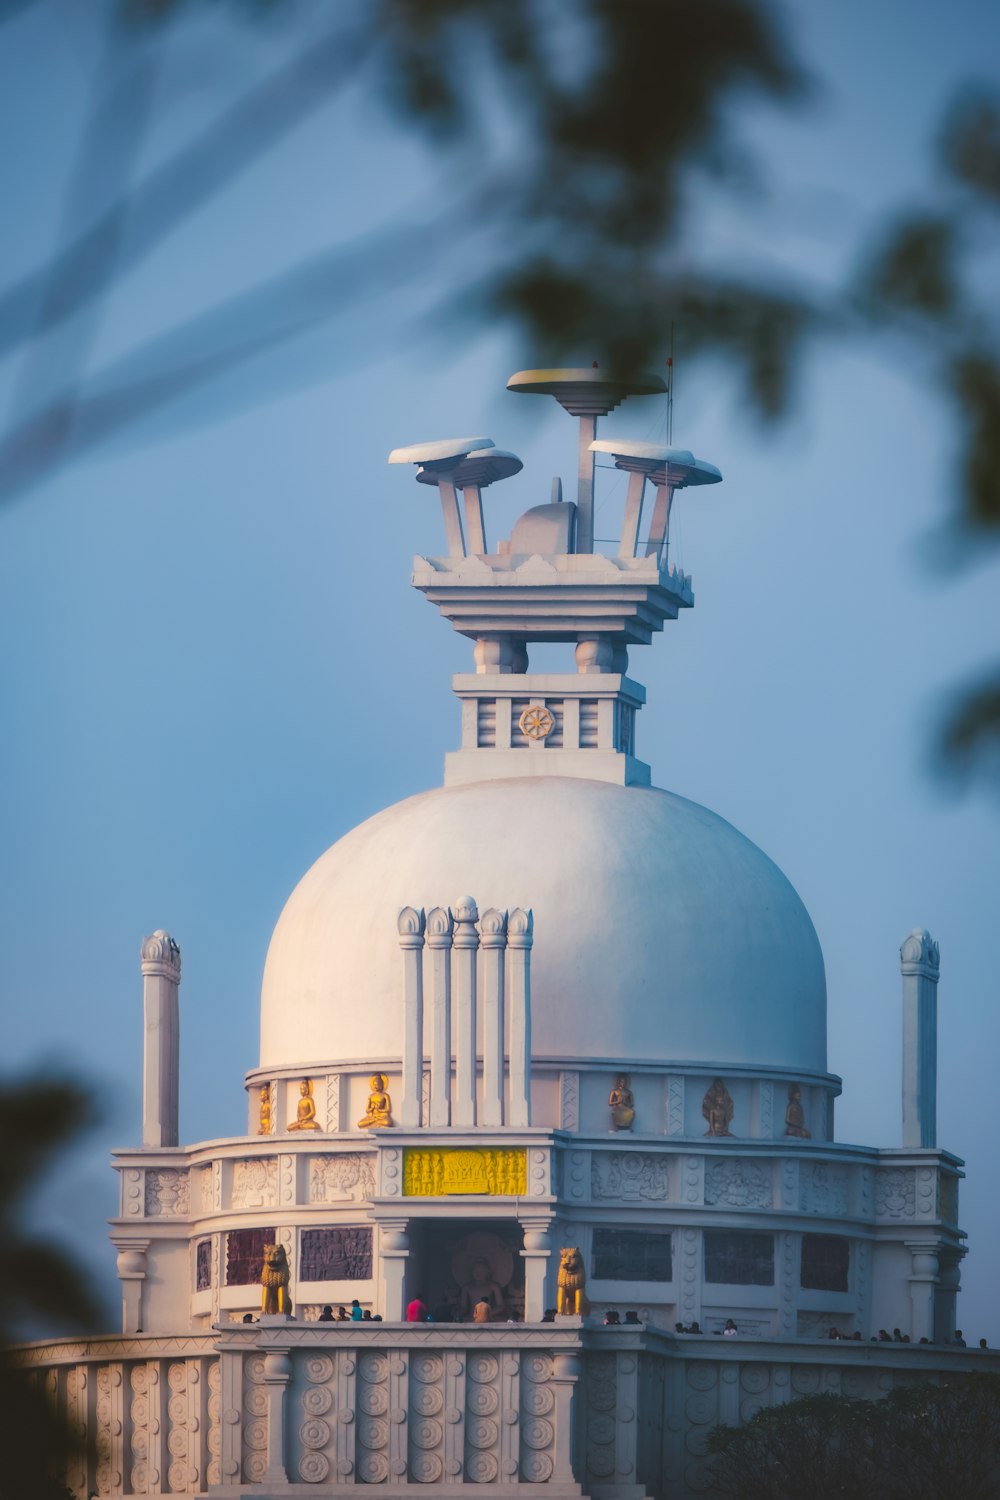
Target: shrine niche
[(795, 1118), (336, 1254), (717, 1108), (203, 1266)]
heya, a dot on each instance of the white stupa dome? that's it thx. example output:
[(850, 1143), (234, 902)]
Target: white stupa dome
[(661, 933)]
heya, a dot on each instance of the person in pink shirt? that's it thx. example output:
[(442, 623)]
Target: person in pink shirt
[(416, 1311)]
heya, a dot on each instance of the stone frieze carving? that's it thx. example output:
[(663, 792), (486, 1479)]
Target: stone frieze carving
[(255, 1183), (167, 1193), (895, 1193), (737, 1184), (348, 1176), (823, 1189), (629, 1176)]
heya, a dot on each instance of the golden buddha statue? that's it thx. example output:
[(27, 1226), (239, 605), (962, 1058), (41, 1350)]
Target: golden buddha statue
[(264, 1127), (622, 1104), (305, 1116), (379, 1111)]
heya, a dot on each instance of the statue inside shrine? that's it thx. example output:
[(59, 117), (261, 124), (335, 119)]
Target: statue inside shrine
[(795, 1119), (717, 1108), (482, 1288), (622, 1104), (305, 1117), (264, 1126), (379, 1111)]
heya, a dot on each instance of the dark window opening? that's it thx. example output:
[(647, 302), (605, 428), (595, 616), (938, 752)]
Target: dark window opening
[(203, 1265), (245, 1255), (631, 1255), (826, 1259), (739, 1259)]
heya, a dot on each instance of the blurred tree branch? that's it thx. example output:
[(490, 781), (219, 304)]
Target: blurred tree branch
[(578, 134)]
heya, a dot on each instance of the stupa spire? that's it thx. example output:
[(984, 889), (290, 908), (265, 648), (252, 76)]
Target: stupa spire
[(546, 582)]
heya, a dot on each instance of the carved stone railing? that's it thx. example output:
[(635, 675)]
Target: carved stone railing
[(286, 1408)]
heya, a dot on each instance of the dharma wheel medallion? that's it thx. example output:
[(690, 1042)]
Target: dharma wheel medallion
[(536, 722)]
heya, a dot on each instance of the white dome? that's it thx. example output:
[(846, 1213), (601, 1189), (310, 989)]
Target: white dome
[(661, 933)]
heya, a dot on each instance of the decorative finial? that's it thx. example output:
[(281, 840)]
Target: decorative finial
[(161, 955)]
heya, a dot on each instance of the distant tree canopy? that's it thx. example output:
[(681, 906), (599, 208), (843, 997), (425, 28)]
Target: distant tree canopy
[(580, 136), (921, 1442)]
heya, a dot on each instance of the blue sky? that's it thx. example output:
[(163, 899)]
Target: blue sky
[(204, 686)]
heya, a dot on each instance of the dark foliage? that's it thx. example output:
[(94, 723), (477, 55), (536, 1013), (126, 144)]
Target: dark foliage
[(39, 1118), (922, 1442)]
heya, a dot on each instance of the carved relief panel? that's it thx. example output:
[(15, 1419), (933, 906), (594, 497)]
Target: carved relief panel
[(347, 1177)]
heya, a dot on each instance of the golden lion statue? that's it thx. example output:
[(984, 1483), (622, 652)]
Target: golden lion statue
[(274, 1279), (572, 1282)]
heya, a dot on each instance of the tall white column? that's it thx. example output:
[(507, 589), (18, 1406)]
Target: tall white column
[(520, 925), (410, 926), (277, 1375), (452, 517), (535, 1254), (475, 527), (161, 977), (659, 526), (585, 486), (394, 1253), (493, 941), (629, 544), (923, 1286), (439, 938), (465, 940), (131, 1274), (919, 966)]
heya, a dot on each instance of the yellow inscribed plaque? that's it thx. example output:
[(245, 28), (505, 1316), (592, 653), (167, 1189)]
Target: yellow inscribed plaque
[(454, 1169)]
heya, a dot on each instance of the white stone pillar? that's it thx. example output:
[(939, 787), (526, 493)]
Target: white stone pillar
[(923, 1286), (439, 938), (585, 485), (919, 966), (131, 1268), (475, 527), (566, 1371), (394, 1252), (277, 1374), (161, 977), (493, 941), (629, 543), (659, 526), (452, 516), (535, 1254), (410, 926), (519, 938), (465, 941)]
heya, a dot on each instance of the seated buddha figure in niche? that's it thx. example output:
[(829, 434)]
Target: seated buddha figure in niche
[(379, 1111), (622, 1104), (305, 1114), (795, 1118), (717, 1108), (482, 1288)]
